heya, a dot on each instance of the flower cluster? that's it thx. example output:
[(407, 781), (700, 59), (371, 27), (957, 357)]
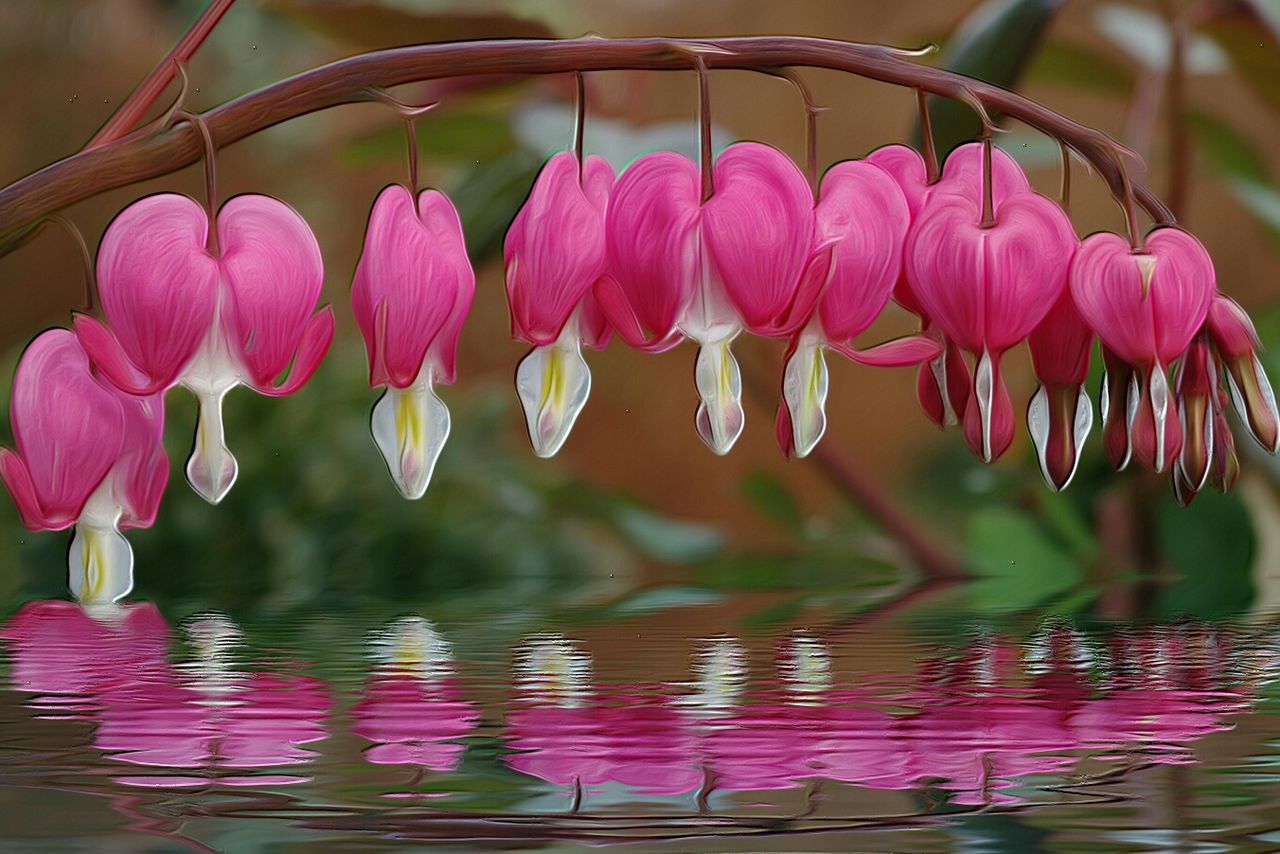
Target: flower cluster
[(208, 305), (662, 252)]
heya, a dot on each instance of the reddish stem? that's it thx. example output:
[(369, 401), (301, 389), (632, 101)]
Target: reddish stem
[(704, 128), (136, 105), (142, 156), (932, 172), (988, 202), (580, 123)]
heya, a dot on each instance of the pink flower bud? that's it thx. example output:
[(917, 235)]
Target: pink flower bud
[(1237, 343)]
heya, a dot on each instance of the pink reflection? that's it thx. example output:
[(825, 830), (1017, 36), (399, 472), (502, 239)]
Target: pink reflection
[(201, 723)]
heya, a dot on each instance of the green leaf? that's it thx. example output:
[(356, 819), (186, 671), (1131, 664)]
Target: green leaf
[(995, 44), (461, 136), (1079, 66), (1230, 152), (669, 540), (488, 197), (1210, 546), (662, 598), (1016, 564), (772, 499), (1253, 48), (372, 25)]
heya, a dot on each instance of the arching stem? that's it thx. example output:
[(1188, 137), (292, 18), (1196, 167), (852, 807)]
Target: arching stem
[(408, 114), (1130, 209), (932, 172), (86, 257), (580, 121), (210, 177), (811, 111), (1064, 189), (988, 203), (704, 127)]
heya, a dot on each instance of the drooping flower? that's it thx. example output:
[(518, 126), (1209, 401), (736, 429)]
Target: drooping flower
[(1236, 342), (1060, 415), (861, 211), (412, 291), (88, 455), (943, 383), (1146, 305), (747, 258), (987, 286), (555, 252), (178, 314), (1196, 393)]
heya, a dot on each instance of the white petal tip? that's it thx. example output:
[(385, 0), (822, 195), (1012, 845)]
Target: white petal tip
[(99, 565), (410, 427), (720, 416), (804, 392), (553, 384)]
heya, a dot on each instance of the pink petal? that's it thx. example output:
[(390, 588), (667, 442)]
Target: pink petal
[(759, 230), (864, 211), (963, 172), (1145, 434), (108, 358), (593, 323), (621, 315), (1145, 306), (18, 480), (1232, 329), (653, 253), (907, 169), (898, 353), (273, 272), (141, 472), (68, 428), (555, 248), (415, 264), (987, 288), (157, 284), (1060, 345), (317, 335)]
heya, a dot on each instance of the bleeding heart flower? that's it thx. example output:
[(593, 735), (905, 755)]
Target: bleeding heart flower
[(861, 213), (1145, 305), (1197, 397), (943, 384), (88, 455), (181, 315), (555, 252), (1237, 344), (1060, 415), (747, 258), (987, 286), (412, 291)]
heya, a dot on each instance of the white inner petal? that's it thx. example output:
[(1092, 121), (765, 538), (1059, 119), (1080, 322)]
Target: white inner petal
[(410, 427), (804, 392), (720, 417), (984, 387), (100, 561), (553, 383), (215, 370)]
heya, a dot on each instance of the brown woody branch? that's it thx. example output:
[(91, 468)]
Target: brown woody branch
[(147, 154)]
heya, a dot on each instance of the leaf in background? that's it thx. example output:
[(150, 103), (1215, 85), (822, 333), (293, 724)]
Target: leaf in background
[(488, 196), (1016, 565), (1210, 545), (1253, 47), (771, 498), (1145, 36), (669, 540), (466, 136), (1079, 66), (1230, 152), (372, 25), (663, 598), (994, 43)]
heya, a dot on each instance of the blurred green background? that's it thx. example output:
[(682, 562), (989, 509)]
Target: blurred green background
[(635, 516)]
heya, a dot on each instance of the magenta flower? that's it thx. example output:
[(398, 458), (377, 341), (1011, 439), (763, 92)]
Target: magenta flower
[(1236, 342), (181, 315), (555, 252), (987, 286), (412, 291), (1197, 395), (861, 212), (88, 455), (943, 383), (1145, 305), (747, 258), (1060, 415)]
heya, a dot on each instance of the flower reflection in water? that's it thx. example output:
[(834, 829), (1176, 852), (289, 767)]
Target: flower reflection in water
[(203, 722), (412, 710)]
